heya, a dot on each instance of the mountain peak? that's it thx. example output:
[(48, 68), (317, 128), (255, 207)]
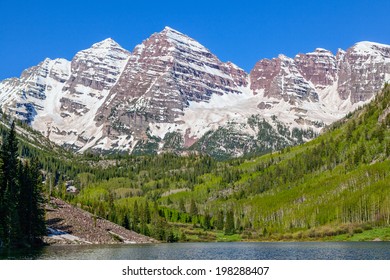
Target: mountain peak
[(170, 29), (172, 33), (108, 43), (177, 37), (283, 57), (103, 48), (367, 47)]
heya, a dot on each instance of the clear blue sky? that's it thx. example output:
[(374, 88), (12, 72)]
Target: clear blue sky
[(239, 31)]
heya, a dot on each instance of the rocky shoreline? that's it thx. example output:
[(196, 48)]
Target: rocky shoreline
[(68, 224)]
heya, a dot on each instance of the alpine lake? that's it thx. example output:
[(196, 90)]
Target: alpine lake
[(209, 251)]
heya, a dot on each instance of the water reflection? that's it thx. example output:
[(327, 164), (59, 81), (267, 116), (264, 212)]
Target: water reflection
[(21, 254), (210, 251)]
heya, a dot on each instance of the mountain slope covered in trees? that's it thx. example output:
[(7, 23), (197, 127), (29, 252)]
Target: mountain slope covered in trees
[(335, 184), (332, 187)]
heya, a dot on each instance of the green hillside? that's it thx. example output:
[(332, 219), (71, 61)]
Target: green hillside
[(335, 187)]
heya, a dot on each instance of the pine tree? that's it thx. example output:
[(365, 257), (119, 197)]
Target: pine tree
[(147, 213), (182, 207), (144, 215), (9, 188), (171, 237), (38, 203), (135, 216), (31, 203), (229, 223), (3, 207), (207, 222), (193, 208), (159, 227), (126, 222), (218, 223)]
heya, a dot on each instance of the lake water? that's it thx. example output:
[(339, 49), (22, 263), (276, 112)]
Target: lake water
[(213, 251)]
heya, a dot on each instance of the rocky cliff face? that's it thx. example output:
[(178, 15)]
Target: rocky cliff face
[(25, 97), (281, 79), (363, 69), (320, 86), (162, 76), (319, 67), (171, 93)]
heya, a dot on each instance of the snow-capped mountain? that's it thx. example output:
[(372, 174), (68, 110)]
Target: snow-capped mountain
[(162, 77), (172, 93)]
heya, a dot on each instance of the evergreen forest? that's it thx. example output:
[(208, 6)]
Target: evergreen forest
[(22, 216)]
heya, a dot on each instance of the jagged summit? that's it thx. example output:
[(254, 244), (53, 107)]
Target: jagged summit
[(109, 42), (174, 34), (104, 47), (181, 40), (284, 57), (170, 31)]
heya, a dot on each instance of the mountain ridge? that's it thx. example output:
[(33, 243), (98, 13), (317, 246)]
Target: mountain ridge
[(109, 99)]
